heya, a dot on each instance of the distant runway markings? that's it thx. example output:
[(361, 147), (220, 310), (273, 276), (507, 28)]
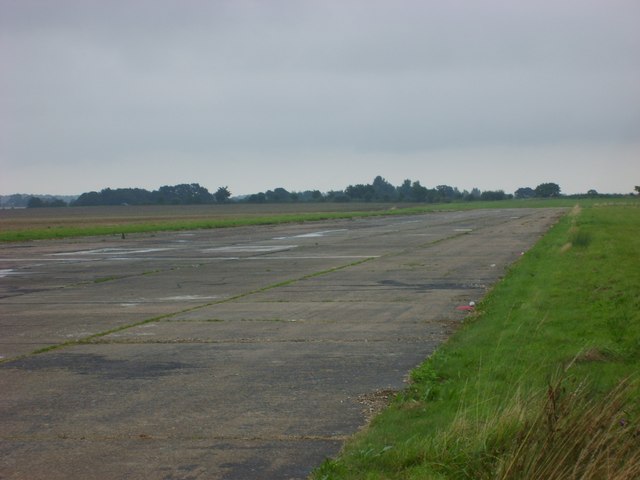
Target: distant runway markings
[(189, 297), (112, 251), (251, 248), (313, 234)]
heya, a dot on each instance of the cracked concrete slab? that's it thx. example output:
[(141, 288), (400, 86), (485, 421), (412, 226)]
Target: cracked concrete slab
[(242, 353)]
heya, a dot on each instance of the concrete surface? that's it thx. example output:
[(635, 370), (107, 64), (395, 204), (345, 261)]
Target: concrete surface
[(240, 353)]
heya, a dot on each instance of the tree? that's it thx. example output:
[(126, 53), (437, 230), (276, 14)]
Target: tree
[(337, 196), (525, 192), (404, 191), (183, 194), (257, 198), (637, 189), (418, 192), (222, 195), (88, 199), (278, 195), (35, 202), (546, 190), (360, 192), (447, 193), (383, 190), (493, 195)]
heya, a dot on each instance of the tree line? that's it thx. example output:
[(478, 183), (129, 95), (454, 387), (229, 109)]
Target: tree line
[(182, 194), (380, 190)]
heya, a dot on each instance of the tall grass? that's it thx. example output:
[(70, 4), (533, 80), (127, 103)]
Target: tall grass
[(576, 436), (489, 403)]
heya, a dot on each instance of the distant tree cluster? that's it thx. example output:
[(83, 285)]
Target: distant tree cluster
[(281, 195), (380, 190), (183, 194), (21, 200), (544, 190), (37, 202)]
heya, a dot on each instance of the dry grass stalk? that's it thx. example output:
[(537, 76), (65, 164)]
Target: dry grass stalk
[(577, 438)]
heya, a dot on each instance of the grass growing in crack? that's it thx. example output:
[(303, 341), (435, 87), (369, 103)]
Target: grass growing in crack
[(489, 403), (106, 279), (98, 336)]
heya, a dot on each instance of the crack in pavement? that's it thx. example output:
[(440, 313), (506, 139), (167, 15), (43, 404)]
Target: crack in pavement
[(196, 341)]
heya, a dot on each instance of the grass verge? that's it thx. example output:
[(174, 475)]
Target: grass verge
[(86, 228), (540, 382)]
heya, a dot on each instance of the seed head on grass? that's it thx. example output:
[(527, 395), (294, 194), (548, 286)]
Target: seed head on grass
[(577, 437)]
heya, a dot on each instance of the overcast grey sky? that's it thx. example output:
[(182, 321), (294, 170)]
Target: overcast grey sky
[(305, 94)]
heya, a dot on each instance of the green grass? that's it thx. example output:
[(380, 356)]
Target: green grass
[(128, 227), (539, 357), (70, 222)]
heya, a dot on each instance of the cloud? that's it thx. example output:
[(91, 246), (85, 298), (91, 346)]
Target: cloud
[(89, 82)]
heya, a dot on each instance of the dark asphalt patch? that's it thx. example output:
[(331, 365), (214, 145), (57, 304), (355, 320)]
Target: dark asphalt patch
[(97, 365)]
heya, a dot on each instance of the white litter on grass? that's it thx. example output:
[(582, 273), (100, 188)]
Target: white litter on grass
[(6, 272)]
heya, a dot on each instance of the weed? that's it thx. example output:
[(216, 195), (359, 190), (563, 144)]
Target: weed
[(580, 238), (106, 279)]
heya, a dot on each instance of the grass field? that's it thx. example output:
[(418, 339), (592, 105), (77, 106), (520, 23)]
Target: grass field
[(540, 382), (49, 223)]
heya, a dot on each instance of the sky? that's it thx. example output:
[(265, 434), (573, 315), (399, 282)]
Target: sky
[(319, 94)]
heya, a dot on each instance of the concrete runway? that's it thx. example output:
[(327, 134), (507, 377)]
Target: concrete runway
[(238, 353)]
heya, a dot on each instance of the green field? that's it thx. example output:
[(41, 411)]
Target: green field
[(540, 382), (49, 223)]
